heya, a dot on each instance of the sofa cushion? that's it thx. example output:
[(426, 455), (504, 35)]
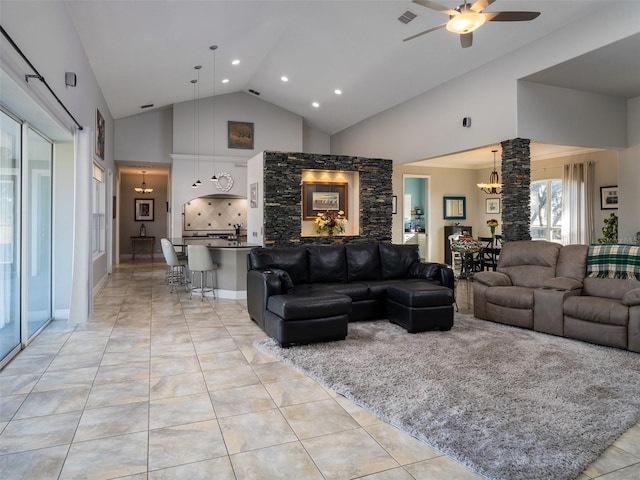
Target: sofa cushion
[(356, 291), (511, 297), (529, 263), (363, 262), (293, 260), (572, 262), (631, 298), (608, 287), (396, 260), (311, 305), (597, 310), (327, 264)]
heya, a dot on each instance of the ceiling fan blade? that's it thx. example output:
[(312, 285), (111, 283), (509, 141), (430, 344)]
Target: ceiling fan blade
[(466, 39), (480, 5), (425, 32), (436, 6), (510, 16)]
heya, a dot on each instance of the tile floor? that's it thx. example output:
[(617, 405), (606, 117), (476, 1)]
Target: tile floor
[(157, 386)]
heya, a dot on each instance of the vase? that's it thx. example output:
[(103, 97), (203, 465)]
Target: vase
[(493, 235)]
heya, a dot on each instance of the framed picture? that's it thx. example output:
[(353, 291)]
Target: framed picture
[(143, 209), (493, 205), (99, 135), (320, 197), (253, 195), (394, 204), (240, 135), (609, 198)]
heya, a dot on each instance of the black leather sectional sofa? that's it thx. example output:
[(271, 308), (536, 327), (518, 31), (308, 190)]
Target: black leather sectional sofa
[(306, 294)]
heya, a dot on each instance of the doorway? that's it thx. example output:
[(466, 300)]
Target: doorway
[(415, 212)]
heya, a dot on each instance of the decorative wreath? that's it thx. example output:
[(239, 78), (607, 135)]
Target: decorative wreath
[(224, 181)]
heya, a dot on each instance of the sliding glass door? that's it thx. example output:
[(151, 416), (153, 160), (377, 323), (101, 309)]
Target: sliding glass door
[(37, 274), (26, 162), (10, 160)]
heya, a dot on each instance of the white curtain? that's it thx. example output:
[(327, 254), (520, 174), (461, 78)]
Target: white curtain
[(81, 280), (577, 203)]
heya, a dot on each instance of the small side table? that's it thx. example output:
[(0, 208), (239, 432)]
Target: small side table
[(143, 240)]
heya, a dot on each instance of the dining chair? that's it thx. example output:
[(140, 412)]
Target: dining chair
[(199, 260)]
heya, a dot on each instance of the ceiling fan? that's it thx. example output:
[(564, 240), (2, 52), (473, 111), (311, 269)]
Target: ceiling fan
[(466, 18)]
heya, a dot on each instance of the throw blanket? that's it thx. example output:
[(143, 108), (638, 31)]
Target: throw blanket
[(614, 261)]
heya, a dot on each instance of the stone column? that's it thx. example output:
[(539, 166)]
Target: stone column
[(516, 194)]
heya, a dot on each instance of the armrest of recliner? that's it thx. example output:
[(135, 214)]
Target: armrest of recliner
[(631, 298), (493, 279), (563, 283), (433, 271), (260, 286)]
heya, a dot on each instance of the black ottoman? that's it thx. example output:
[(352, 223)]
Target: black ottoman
[(420, 307), (307, 317)]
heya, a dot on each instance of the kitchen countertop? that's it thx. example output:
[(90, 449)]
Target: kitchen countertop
[(212, 242)]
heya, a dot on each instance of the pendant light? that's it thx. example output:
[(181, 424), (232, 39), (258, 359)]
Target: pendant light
[(196, 122), (194, 131), (494, 187), (142, 189), (213, 48)]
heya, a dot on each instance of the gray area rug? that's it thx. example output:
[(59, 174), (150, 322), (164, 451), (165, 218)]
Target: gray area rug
[(509, 403)]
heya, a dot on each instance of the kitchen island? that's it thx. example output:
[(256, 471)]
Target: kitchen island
[(231, 257)]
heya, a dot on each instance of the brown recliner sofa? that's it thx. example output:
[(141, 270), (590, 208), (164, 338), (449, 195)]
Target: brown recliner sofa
[(544, 286)]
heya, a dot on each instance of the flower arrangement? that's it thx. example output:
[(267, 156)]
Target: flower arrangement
[(492, 223), (330, 222)]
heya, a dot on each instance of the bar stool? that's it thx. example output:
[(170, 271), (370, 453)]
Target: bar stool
[(199, 260), (176, 268)]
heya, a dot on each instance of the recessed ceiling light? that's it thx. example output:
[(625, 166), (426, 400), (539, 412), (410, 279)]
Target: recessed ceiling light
[(225, 80), (235, 62), (284, 78), (337, 91), (315, 104)]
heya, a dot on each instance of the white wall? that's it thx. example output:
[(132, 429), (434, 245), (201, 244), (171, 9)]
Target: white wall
[(255, 216), (430, 125), (147, 137), (629, 177), (274, 127), (45, 33), (570, 117), (315, 141)]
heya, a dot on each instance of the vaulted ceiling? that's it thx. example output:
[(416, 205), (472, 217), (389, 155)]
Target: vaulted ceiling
[(144, 52)]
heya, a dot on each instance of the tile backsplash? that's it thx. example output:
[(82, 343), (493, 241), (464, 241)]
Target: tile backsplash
[(205, 215)]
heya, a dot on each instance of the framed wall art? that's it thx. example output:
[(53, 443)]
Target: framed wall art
[(492, 205), (143, 209), (320, 197), (100, 134), (240, 135), (609, 198), (394, 204)]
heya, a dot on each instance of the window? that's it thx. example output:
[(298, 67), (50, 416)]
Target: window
[(546, 210), (98, 225)]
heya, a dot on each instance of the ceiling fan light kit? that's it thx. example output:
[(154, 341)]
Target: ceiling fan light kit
[(465, 22), (466, 18)]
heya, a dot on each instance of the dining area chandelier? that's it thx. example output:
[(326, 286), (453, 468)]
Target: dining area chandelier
[(494, 187)]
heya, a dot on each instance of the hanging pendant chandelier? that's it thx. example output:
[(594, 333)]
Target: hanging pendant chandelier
[(142, 189), (494, 187), (196, 126), (213, 48)]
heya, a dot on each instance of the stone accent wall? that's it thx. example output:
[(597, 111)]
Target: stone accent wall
[(516, 181), (283, 197)]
